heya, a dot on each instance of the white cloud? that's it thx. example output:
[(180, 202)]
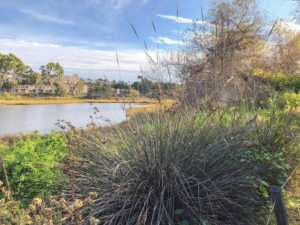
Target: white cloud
[(168, 41), (85, 62), (181, 19), (119, 4), (292, 26), (46, 18)]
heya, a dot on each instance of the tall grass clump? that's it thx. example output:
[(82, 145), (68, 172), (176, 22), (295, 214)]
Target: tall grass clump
[(170, 169)]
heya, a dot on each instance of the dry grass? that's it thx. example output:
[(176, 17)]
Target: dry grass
[(149, 109), (292, 199), (69, 101)]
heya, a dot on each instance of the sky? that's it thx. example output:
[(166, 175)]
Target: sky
[(84, 35)]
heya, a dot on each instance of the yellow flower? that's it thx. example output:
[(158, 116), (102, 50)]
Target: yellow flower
[(54, 153)]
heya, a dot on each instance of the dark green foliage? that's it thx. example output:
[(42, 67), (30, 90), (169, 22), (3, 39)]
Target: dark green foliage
[(32, 166)]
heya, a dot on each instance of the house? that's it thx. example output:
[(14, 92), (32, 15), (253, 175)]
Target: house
[(116, 91), (38, 89), (71, 81)]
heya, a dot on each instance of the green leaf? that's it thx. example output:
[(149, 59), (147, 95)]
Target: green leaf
[(179, 211), (264, 183), (185, 222), (205, 223), (264, 190), (280, 181)]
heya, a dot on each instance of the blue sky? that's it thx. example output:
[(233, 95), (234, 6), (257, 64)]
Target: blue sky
[(83, 35)]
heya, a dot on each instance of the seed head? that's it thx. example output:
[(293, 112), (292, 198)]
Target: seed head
[(93, 195), (94, 221), (53, 202), (32, 207), (48, 211), (37, 201), (2, 201), (27, 217), (71, 209)]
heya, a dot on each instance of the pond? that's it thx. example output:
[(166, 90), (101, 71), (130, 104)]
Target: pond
[(16, 119)]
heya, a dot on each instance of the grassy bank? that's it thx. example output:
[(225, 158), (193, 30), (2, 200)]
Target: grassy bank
[(165, 152)]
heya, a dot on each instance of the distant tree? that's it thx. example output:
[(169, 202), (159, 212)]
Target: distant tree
[(33, 78), (62, 88), (106, 90), (80, 86), (133, 94), (296, 10), (10, 85), (144, 86), (97, 86), (12, 64), (52, 71)]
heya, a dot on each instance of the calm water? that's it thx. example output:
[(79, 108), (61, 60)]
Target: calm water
[(15, 119)]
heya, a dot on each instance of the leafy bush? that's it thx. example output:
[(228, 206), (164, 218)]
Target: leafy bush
[(275, 144), (280, 81), (32, 166), (7, 96), (158, 165)]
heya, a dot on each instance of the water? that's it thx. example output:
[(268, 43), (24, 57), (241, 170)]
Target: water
[(16, 119)]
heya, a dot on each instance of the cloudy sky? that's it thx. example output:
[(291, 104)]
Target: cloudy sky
[(83, 35)]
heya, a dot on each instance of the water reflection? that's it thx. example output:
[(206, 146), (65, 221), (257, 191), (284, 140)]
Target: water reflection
[(16, 119)]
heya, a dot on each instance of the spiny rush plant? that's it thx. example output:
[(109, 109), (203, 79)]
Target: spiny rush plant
[(159, 164)]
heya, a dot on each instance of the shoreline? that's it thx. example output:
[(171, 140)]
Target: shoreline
[(73, 101)]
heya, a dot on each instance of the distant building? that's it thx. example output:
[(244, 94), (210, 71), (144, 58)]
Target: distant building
[(116, 91), (71, 81), (38, 89)]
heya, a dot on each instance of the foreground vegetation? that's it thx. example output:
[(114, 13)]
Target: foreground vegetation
[(208, 157), (181, 154)]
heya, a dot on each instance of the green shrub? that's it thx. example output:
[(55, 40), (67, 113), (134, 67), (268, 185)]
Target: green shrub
[(32, 166), (7, 96), (280, 81), (275, 144)]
